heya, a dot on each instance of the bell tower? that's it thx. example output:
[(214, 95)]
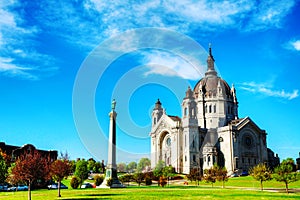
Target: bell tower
[(190, 131), (157, 112)]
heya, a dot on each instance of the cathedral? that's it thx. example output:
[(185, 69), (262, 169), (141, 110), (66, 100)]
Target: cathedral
[(209, 131)]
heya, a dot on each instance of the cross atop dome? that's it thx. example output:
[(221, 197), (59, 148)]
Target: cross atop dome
[(210, 64)]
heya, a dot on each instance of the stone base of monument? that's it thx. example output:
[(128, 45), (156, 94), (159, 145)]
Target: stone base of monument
[(115, 184)]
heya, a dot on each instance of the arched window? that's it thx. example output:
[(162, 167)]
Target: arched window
[(154, 120), (208, 160), (209, 108), (215, 108), (185, 111), (205, 108), (194, 158)]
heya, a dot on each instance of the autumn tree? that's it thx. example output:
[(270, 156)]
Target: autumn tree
[(194, 175), (59, 170), (138, 177), (221, 174), (261, 172), (29, 168), (210, 175), (284, 173)]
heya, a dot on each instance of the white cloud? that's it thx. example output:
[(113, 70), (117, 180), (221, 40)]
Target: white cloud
[(296, 44), (268, 90), (7, 67), (87, 23), (99, 20), (268, 14), (166, 64), (18, 54)]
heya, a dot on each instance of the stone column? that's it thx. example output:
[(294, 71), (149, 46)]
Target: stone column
[(111, 168)]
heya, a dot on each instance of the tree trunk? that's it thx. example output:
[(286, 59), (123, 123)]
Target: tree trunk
[(58, 189), (286, 187), (223, 185), (29, 190), (261, 185)]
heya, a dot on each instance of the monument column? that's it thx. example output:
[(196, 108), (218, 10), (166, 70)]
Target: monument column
[(111, 168)]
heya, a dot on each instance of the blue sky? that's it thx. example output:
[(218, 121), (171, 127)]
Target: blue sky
[(44, 44)]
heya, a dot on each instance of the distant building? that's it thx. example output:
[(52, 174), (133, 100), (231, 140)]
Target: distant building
[(15, 151), (210, 130), (273, 160)]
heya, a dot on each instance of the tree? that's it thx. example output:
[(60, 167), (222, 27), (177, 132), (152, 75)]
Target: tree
[(210, 175), (168, 172), (261, 173), (73, 166), (81, 170), (29, 168), (98, 180), (97, 167), (131, 167), (59, 170), (91, 164), (3, 169), (121, 167), (138, 177), (284, 173), (126, 178), (75, 182), (194, 175), (158, 170), (221, 174), (143, 164)]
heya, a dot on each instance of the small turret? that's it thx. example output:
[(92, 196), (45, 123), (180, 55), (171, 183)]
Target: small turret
[(157, 112), (189, 93), (233, 92)]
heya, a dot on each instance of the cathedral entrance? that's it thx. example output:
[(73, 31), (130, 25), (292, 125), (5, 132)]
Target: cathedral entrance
[(165, 148)]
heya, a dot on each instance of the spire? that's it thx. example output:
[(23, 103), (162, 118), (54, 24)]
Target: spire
[(210, 64), (158, 104), (233, 92)]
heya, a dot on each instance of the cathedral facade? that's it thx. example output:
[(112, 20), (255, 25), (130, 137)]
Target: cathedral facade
[(209, 131)]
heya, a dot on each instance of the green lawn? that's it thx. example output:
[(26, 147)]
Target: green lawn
[(236, 188)]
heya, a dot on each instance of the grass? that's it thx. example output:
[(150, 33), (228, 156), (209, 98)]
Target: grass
[(236, 188)]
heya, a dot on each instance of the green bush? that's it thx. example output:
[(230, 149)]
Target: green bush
[(75, 181), (98, 180), (109, 182), (148, 181)]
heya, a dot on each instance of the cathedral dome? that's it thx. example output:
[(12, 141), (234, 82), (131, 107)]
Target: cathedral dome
[(212, 84)]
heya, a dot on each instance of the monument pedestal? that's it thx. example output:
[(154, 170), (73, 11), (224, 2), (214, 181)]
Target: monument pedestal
[(111, 168)]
